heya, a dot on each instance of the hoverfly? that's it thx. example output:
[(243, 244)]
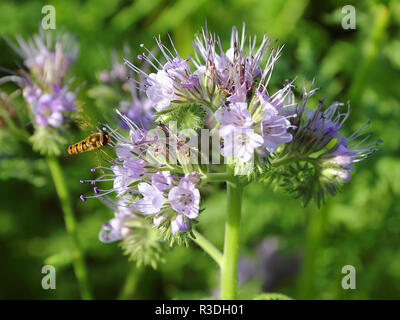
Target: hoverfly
[(95, 141)]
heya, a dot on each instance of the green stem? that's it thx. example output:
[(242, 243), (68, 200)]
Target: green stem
[(208, 247), (130, 283), (217, 177), (231, 242), (70, 223), (315, 238)]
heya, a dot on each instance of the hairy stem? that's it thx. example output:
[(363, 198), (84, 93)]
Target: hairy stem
[(231, 242), (70, 223), (208, 247)]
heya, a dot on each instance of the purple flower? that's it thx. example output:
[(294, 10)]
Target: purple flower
[(179, 224), (160, 89), (47, 111), (49, 108), (148, 186), (117, 71), (322, 123), (171, 81), (328, 154), (176, 67), (236, 114), (237, 67), (239, 95), (342, 156), (48, 58), (279, 101), (139, 111), (48, 61), (185, 199), (193, 178), (66, 97), (153, 199), (274, 129), (135, 167), (121, 180), (239, 142), (115, 229), (125, 150), (162, 180), (338, 161)]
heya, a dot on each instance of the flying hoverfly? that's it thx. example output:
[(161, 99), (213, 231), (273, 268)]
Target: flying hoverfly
[(92, 142), (95, 141)]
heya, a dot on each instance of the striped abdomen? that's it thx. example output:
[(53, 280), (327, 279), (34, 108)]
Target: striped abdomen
[(94, 141)]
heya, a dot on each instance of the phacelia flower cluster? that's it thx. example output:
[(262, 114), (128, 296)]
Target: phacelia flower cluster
[(146, 186), (47, 60), (231, 86), (224, 92), (323, 156)]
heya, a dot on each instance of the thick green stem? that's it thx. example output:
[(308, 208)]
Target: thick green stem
[(231, 242), (217, 177), (208, 247), (315, 238), (131, 282), (70, 223)]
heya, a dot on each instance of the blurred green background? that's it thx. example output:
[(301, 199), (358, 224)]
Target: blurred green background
[(284, 247)]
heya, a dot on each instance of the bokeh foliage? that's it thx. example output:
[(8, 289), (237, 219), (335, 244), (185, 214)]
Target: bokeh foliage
[(360, 226)]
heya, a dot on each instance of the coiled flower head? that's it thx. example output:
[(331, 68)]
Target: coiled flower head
[(319, 159)]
